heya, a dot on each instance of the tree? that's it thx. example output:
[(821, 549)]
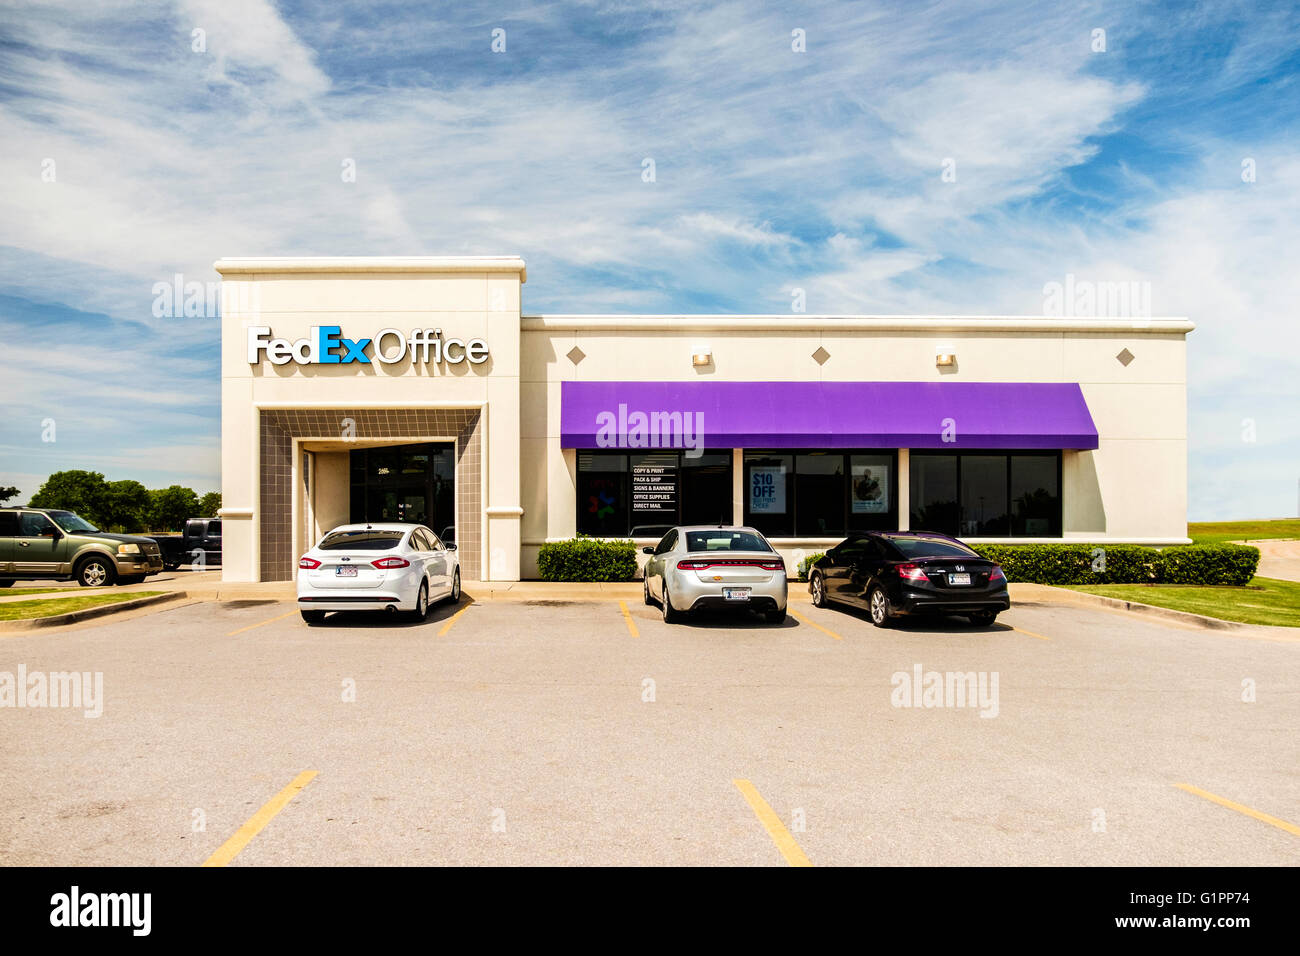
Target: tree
[(127, 506), (169, 507), (209, 505), (80, 491), (7, 492)]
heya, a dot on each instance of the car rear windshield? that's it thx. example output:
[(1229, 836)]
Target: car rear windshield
[(724, 541), (372, 540), (72, 524), (932, 548)]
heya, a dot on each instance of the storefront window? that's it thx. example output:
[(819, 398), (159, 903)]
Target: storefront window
[(985, 494), (872, 495), (769, 504), (820, 494), (1035, 496), (934, 493), (642, 494), (411, 483), (602, 494), (706, 488)]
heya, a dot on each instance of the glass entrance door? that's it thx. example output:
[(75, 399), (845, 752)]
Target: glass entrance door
[(410, 483)]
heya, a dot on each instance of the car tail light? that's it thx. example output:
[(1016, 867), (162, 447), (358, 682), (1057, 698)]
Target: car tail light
[(996, 574), (386, 563), (308, 564), (913, 572), (767, 564)]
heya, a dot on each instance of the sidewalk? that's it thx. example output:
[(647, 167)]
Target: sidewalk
[(1278, 559), (208, 586)]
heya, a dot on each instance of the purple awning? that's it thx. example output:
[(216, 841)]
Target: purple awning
[(948, 415)]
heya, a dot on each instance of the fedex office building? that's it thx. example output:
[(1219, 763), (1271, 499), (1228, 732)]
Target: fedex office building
[(416, 389)]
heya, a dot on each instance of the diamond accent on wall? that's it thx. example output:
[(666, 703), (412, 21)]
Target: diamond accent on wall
[(575, 355), (1125, 357), (821, 356)]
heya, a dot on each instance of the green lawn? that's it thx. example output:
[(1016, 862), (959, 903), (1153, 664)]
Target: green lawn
[(14, 592), (26, 610), (1218, 532), (1263, 601)]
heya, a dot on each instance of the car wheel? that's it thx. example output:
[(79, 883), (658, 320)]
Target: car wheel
[(312, 617), (983, 618), (879, 606), (818, 588), (96, 572), (171, 565), (671, 614), (645, 589), (775, 617), (422, 602), (454, 597)]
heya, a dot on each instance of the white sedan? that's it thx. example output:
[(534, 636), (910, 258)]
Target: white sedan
[(715, 566), (374, 567)]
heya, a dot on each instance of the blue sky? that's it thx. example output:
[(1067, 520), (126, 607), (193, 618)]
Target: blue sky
[(774, 170)]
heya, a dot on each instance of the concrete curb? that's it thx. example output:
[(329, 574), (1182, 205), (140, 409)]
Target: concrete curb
[(86, 614), (1151, 610)]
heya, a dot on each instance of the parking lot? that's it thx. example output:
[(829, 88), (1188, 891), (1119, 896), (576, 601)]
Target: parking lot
[(564, 732)]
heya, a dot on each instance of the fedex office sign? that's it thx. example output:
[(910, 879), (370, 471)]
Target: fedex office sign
[(326, 345)]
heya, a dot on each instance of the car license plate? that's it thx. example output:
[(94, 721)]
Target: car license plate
[(345, 572), (959, 579), (736, 594)]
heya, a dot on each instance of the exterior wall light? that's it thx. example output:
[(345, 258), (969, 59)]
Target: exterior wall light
[(701, 356), (945, 358)]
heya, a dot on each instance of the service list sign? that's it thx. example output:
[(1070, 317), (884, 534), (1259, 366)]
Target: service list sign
[(654, 486)]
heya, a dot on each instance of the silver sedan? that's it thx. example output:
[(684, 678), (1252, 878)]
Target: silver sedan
[(710, 566)]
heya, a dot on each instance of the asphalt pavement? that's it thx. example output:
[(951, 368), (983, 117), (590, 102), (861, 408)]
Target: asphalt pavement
[(572, 732)]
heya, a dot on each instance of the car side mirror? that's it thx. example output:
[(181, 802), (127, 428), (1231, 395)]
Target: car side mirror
[(647, 550), (451, 547), (51, 533)]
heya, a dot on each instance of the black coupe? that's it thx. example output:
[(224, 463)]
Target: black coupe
[(893, 573)]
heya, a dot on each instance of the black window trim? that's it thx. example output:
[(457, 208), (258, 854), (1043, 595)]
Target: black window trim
[(1008, 454), (625, 482), (846, 455)]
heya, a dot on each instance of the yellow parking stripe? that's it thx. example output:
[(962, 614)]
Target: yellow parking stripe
[(442, 632), (1240, 808), (258, 821), (627, 616), (1021, 630), (772, 824), (803, 620), (260, 623)]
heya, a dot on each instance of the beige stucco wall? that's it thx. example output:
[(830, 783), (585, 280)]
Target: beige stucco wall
[(331, 501), (1132, 488), (467, 297)]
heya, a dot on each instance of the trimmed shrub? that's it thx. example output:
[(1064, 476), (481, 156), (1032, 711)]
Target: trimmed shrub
[(806, 564), (587, 559), (1066, 564), (1210, 564)]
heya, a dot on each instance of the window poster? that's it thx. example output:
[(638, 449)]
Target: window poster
[(870, 491), (767, 489)]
